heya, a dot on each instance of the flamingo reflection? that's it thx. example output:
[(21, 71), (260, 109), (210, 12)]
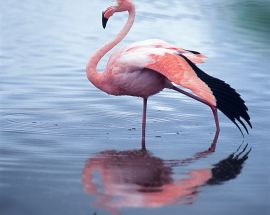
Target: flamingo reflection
[(129, 179)]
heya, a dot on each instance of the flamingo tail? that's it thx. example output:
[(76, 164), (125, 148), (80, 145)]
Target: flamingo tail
[(228, 100)]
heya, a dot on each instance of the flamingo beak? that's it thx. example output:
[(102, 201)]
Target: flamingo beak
[(104, 20)]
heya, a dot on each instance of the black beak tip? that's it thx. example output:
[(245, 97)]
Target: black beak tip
[(104, 20)]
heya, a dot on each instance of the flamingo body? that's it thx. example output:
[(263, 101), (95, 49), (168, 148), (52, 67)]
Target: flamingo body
[(141, 83), (147, 67)]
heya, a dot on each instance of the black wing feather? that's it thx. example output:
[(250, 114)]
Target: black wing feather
[(193, 52), (228, 100)]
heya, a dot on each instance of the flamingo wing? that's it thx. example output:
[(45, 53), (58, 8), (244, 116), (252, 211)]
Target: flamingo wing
[(167, 62), (194, 56), (181, 70)]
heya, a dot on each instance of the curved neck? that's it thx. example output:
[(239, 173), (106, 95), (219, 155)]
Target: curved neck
[(91, 70)]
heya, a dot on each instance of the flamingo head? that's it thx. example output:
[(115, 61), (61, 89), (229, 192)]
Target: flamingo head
[(118, 6)]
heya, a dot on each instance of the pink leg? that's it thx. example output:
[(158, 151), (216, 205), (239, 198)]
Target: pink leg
[(214, 110), (144, 122), (213, 146)]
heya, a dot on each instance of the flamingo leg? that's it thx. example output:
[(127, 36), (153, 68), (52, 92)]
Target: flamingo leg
[(213, 108), (144, 122), (215, 113)]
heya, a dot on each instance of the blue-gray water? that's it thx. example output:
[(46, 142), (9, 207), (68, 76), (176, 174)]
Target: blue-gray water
[(57, 129)]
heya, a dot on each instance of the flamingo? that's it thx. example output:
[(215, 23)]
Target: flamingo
[(145, 68)]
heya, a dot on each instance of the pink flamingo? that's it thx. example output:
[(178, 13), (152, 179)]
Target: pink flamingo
[(147, 67)]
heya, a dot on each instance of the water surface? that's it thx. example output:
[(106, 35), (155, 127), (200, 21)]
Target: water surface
[(67, 148)]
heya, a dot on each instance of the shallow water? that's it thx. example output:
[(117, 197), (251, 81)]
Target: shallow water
[(67, 148)]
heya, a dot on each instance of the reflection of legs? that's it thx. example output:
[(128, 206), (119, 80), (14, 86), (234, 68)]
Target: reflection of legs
[(195, 157), (144, 122), (213, 108)]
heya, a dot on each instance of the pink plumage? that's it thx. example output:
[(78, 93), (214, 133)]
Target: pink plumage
[(147, 67)]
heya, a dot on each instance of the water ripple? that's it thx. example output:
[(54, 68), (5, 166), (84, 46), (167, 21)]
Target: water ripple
[(52, 120)]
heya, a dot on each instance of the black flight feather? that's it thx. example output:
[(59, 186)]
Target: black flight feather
[(228, 100), (193, 52)]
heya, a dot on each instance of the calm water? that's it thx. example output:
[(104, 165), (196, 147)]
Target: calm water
[(67, 148)]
